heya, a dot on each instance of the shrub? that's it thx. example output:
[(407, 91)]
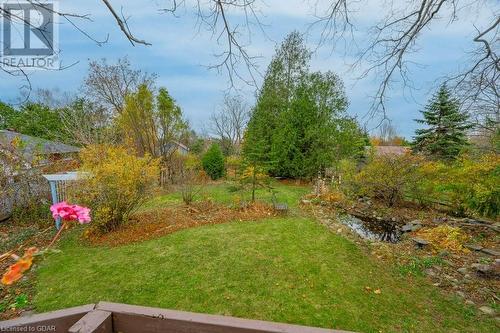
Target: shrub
[(388, 178), (254, 177), (347, 170), (213, 162), (118, 183), (233, 165), (193, 179), (472, 185), (32, 211), (469, 186)]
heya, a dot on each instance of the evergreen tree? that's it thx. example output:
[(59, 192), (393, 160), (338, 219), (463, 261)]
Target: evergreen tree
[(299, 125), (445, 135), (286, 68), (307, 140), (34, 119), (213, 162)]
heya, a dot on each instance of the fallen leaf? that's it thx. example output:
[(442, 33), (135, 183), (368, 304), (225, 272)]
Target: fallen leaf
[(377, 291)]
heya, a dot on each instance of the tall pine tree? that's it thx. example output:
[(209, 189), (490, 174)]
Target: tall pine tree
[(445, 136), (287, 66), (299, 125)]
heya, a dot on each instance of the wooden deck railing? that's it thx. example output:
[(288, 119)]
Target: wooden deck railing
[(107, 317)]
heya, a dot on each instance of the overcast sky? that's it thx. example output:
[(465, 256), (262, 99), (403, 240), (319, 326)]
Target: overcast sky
[(180, 53)]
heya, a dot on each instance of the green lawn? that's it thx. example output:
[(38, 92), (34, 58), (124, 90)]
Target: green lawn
[(284, 269), (227, 193)]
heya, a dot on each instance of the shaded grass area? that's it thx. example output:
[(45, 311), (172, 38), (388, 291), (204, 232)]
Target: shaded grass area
[(229, 193), (282, 269)]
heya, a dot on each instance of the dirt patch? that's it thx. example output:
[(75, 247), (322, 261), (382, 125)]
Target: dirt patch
[(159, 222)]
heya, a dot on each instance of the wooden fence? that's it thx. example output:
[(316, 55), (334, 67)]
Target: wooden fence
[(107, 317)]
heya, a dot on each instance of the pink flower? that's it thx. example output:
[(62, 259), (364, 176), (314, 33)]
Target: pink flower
[(69, 212)]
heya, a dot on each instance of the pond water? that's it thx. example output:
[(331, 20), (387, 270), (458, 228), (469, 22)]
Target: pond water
[(372, 230)]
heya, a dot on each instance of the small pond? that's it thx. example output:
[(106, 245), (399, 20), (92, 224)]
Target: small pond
[(372, 230)]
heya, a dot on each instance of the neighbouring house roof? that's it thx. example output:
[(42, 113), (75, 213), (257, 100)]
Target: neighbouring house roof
[(174, 145), (32, 145), (389, 150)]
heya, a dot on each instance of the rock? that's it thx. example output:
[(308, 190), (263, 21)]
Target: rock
[(473, 247), (420, 242), (406, 228), (460, 294), (409, 227), (487, 310), (439, 220), (412, 226), (462, 270), (469, 302), (487, 270), (491, 252), (339, 231), (469, 220), (306, 202), (429, 272)]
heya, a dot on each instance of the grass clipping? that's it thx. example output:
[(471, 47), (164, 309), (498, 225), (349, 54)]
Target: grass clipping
[(445, 237)]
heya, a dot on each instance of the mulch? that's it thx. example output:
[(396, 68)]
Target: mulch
[(159, 222)]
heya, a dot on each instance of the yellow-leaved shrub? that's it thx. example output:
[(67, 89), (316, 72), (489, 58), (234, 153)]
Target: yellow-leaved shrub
[(472, 185), (468, 186), (115, 182), (389, 177)]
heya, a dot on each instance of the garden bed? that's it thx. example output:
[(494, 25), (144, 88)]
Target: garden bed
[(155, 223)]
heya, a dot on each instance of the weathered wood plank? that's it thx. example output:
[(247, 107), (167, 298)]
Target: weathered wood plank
[(55, 321), (130, 319), (96, 321)]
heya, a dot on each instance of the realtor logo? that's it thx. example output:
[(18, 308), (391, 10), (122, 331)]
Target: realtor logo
[(29, 35)]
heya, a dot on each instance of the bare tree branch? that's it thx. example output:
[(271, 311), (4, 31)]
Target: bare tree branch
[(122, 23), (395, 38)]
